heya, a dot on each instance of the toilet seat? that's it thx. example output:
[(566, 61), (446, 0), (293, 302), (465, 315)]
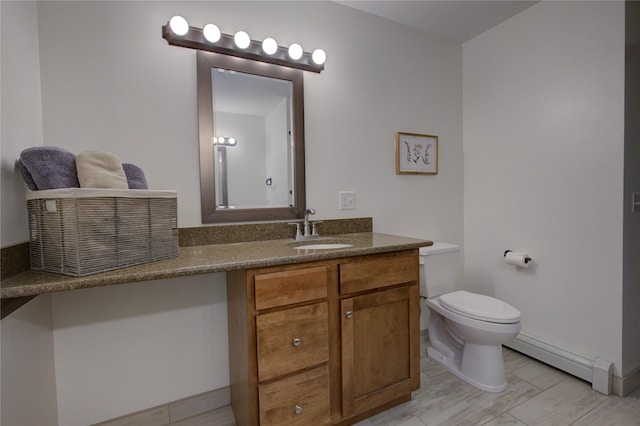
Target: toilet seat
[(480, 307)]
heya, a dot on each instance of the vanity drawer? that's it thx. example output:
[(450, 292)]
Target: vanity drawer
[(379, 271), (291, 340), (289, 287), (302, 399)]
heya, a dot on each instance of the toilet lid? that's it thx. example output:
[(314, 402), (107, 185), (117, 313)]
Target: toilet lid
[(480, 307)]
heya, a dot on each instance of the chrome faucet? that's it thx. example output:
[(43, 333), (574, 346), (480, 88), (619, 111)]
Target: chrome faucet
[(307, 212), (305, 232)]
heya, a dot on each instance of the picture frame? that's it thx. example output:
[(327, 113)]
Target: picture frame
[(416, 154)]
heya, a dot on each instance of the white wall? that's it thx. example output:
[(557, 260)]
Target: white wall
[(543, 171), (26, 364), (137, 346), (28, 371), (110, 82), (132, 93), (21, 111)]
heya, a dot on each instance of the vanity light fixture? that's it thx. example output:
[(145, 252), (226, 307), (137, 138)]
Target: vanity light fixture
[(212, 33), (242, 39), (269, 45), (178, 32), (319, 56), (295, 51), (179, 25), (225, 141)]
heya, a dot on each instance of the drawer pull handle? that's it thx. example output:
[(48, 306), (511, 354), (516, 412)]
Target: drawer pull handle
[(297, 342), (349, 314), (297, 410)]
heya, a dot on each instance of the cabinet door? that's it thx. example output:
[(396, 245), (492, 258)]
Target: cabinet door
[(380, 348)]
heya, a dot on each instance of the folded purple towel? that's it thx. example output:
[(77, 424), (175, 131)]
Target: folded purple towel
[(26, 176), (51, 167), (135, 176)]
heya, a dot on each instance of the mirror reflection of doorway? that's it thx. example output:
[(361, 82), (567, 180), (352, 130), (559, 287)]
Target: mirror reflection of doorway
[(256, 111)]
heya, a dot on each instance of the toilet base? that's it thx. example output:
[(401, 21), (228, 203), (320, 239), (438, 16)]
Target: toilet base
[(486, 372)]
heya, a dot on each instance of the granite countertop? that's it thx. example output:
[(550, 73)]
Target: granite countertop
[(205, 259)]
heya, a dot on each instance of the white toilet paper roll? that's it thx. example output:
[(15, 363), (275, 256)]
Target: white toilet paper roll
[(522, 260)]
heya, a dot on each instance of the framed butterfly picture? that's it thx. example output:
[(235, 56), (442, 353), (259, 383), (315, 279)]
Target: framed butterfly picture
[(416, 154)]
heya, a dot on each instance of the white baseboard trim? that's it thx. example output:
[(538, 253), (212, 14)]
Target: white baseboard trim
[(627, 384), (597, 371)]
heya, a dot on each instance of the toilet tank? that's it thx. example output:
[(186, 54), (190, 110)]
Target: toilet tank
[(438, 269)]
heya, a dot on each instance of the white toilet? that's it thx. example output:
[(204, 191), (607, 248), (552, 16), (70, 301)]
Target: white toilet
[(466, 330)]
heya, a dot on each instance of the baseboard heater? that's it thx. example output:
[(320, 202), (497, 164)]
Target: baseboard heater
[(597, 371)]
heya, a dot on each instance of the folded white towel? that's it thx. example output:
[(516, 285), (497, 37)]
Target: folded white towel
[(100, 170)]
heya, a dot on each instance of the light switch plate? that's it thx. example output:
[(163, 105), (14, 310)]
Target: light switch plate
[(347, 200)]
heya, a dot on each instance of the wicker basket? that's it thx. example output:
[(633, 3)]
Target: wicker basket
[(85, 231)]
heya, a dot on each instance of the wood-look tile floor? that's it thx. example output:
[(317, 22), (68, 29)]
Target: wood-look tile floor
[(537, 395)]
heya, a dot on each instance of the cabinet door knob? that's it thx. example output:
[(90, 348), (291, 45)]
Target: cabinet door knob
[(349, 314), (296, 342), (297, 410)]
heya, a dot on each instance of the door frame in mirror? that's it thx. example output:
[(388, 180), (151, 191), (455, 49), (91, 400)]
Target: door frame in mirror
[(210, 211)]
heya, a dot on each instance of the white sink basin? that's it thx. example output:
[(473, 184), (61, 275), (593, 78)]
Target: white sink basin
[(323, 246)]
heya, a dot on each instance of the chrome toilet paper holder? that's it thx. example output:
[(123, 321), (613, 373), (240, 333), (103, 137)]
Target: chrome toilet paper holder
[(526, 259)]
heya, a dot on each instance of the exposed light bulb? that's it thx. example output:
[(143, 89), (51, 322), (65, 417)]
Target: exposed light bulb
[(270, 46), (242, 39), (319, 56), (295, 51), (211, 33), (224, 140), (179, 25)]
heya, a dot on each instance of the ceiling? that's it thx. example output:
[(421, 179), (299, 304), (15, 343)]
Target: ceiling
[(453, 20)]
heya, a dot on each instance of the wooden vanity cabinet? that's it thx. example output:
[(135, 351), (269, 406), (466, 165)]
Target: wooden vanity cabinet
[(380, 331), (323, 343)]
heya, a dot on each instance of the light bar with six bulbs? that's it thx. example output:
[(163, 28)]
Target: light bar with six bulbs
[(178, 32)]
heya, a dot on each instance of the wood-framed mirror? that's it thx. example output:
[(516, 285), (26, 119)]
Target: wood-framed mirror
[(254, 168)]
